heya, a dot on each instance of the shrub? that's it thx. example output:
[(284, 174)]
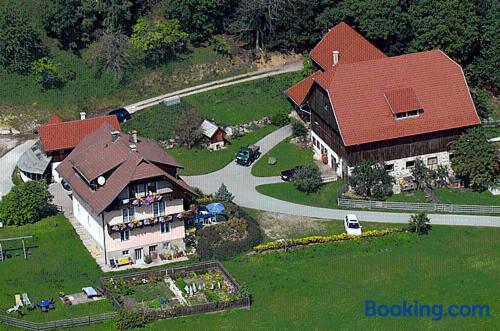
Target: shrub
[(130, 319), (223, 194), (280, 119), (148, 259), (299, 129), (308, 179), (48, 73), (237, 235), (26, 203), (275, 245), (419, 223), (371, 180)]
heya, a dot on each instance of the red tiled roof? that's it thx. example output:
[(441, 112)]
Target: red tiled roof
[(298, 92), (402, 100), (66, 135), (358, 92), (352, 47), (55, 119), (98, 155)]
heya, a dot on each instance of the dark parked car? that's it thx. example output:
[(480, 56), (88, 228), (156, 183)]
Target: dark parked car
[(246, 155), (287, 175), (121, 113)]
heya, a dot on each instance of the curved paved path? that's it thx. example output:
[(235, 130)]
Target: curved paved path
[(8, 164), (242, 183)]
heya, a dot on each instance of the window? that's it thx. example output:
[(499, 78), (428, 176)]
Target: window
[(410, 164), (124, 194), (124, 253), (151, 187), (166, 245), (451, 156), (389, 166), (165, 227), (125, 235), (432, 160), (159, 208), (314, 141), (152, 249), (138, 189), (128, 214)]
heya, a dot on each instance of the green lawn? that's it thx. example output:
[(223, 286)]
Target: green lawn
[(287, 155), (199, 160), (157, 122), (245, 102), (466, 197), (416, 196), (324, 287), (59, 263), (326, 197)]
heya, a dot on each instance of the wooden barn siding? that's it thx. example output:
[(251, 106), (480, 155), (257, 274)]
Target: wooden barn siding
[(323, 123)]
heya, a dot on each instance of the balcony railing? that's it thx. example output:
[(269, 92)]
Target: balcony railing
[(139, 224)]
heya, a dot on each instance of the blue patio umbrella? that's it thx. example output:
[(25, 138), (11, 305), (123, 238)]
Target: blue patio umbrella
[(215, 208)]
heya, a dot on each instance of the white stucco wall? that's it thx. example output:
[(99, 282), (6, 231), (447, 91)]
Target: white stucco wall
[(330, 152), (90, 221), (400, 170), (55, 175)]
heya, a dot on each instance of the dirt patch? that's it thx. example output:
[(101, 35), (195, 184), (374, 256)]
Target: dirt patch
[(279, 226), (278, 60)]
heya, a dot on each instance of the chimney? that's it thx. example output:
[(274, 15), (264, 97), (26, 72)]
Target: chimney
[(82, 115), (132, 148), (336, 56), (132, 137), (114, 135)]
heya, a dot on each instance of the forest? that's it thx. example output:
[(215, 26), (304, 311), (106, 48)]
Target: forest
[(115, 37)]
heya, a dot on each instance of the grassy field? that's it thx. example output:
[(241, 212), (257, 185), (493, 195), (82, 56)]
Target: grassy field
[(324, 287), (199, 160), (59, 263), (22, 100), (466, 197), (416, 196), (245, 102), (326, 196), (157, 122), (287, 155)]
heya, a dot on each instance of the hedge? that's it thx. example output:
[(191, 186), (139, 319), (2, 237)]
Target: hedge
[(288, 243), (211, 247)]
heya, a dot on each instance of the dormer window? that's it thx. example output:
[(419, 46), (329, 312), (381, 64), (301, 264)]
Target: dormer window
[(403, 103)]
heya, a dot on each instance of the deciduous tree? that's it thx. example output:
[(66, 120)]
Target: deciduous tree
[(371, 180), (308, 178), (26, 203), (450, 25), (161, 40), (20, 44), (474, 159), (71, 22), (419, 223), (187, 128)]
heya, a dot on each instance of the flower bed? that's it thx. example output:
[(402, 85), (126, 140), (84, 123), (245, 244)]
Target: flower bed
[(289, 243)]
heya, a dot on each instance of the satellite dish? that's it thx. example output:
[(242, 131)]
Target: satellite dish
[(101, 180)]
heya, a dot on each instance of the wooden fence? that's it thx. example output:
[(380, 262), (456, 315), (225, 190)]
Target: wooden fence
[(53, 325), (151, 314), (427, 207)]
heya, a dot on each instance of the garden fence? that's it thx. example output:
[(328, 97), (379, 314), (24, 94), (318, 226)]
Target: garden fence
[(59, 324), (427, 207)]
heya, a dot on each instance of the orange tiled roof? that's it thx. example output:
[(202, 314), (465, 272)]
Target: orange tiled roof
[(66, 135)]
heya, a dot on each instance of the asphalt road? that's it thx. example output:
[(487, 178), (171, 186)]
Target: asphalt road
[(8, 164), (241, 183)]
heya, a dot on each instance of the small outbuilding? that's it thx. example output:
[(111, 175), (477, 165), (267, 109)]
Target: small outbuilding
[(215, 135)]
